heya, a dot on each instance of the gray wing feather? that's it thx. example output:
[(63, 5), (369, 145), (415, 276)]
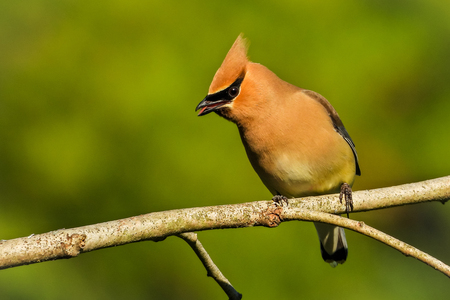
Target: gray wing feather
[(337, 123)]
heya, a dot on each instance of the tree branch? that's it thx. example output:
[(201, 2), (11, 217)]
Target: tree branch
[(211, 268), (66, 243), (361, 227)]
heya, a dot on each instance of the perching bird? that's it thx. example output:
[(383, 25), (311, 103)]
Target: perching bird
[(293, 137)]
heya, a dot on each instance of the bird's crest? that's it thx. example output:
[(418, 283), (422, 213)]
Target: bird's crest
[(232, 67)]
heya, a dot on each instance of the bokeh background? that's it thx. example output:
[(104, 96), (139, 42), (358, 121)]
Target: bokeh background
[(97, 123)]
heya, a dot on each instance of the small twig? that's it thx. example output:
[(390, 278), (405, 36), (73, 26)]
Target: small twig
[(212, 270), (361, 227)]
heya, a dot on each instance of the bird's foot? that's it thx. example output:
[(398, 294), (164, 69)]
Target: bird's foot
[(346, 193), (280, 200)]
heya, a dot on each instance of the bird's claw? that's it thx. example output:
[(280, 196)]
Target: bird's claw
[(346, 193), (280, 200)]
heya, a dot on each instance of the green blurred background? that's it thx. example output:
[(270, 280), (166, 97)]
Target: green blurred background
[(97, 123)]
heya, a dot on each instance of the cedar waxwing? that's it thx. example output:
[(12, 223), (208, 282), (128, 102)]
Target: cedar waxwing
[(293, 137)]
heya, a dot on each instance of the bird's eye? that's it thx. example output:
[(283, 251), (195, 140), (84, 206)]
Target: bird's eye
[(233, 91)]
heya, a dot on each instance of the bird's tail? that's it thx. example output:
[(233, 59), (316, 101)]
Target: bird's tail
[(333, 244)]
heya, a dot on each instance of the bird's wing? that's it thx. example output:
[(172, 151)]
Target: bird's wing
[(337, 123)]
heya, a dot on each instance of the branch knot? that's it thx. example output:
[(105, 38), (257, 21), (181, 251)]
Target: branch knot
[(74, 244), (272, 216)]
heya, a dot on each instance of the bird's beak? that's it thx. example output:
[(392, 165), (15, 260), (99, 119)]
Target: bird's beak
[(208, 106)]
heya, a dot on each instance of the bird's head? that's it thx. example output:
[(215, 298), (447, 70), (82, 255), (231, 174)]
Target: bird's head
[(242, 90), (226, 87)]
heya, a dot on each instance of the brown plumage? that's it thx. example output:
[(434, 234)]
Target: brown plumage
[(293, 137)]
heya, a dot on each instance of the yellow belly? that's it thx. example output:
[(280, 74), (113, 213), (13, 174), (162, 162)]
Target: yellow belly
[(294, 177)]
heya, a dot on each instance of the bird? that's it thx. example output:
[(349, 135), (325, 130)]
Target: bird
[(293, 137)]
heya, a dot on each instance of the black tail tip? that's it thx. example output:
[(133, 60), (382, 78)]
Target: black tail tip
[(337, 257)]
